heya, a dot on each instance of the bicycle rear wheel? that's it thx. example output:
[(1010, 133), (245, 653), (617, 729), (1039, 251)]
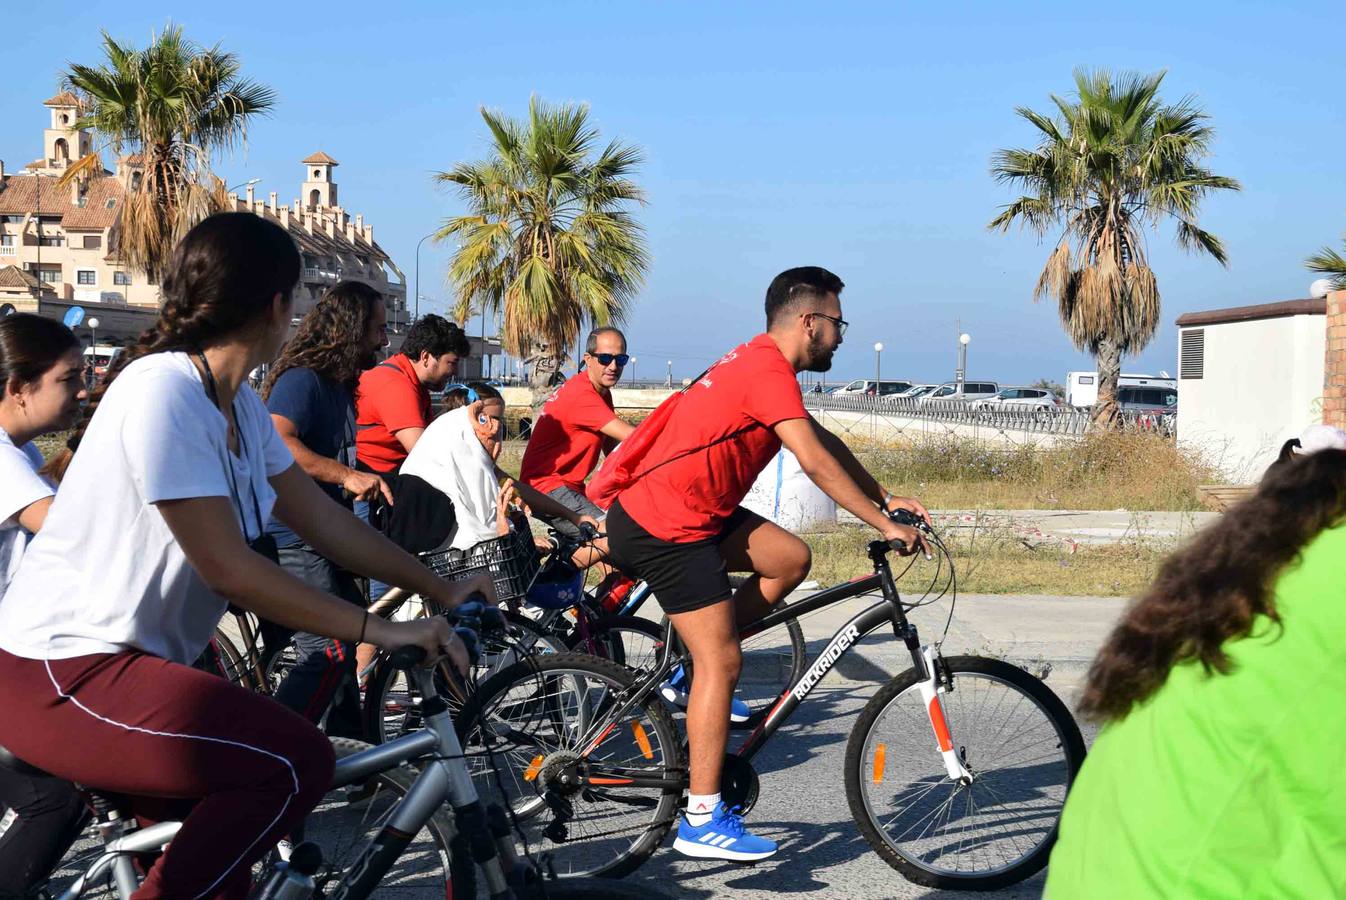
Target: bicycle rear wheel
[(626, 640), (548, 719), (1012, 733)]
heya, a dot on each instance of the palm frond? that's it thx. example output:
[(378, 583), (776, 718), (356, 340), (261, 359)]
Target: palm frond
[(1330, 263)]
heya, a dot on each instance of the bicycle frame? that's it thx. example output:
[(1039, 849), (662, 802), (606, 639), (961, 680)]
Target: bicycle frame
[(887, 611), (444, 776)]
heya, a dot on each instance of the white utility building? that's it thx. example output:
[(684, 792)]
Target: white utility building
[(1249, 379)]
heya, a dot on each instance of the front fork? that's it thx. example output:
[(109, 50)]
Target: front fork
[(930, 691)]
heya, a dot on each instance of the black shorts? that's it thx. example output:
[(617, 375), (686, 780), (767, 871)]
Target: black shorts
[(683, 577)]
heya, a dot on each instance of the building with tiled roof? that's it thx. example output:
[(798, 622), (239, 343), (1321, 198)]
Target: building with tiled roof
[(65, 239)]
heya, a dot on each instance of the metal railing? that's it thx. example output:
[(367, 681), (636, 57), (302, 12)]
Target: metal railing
[(1030, 420)]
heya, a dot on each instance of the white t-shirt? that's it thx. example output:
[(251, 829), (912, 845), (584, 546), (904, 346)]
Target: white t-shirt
[(20, 487), (105, 574), (448, 456)]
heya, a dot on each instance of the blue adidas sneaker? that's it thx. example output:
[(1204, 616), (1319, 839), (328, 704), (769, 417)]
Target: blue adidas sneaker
[(675, 691), (722, 837)]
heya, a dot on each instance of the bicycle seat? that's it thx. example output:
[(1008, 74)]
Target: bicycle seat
[(9, 761)]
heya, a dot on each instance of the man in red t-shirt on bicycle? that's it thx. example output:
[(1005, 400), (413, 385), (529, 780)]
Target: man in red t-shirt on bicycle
[(680, 527), (576, 427)]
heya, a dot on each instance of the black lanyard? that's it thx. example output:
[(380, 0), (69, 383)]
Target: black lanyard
[(212, 391)]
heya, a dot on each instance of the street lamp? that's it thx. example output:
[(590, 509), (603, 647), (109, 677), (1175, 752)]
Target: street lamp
[(878, 352), (670, 373), (93, 366), (633, 372), (963, 340), (417, 286), (249, 183)]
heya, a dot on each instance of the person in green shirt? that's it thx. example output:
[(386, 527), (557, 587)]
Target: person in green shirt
[(1221, 768)]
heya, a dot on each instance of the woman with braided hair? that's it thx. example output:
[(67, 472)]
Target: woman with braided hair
[(1218, 771), (158, 525)]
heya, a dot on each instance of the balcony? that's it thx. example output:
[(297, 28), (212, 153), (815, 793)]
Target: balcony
[(9, 251)]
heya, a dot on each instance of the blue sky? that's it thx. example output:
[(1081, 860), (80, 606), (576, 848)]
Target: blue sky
[(852, 136)]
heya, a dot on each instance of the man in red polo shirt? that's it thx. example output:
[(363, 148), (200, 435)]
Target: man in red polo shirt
[(577, 426), (680, 527), (392, 402)]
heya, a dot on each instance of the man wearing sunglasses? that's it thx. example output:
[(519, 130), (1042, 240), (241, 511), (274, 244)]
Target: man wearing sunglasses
[(576, 427)]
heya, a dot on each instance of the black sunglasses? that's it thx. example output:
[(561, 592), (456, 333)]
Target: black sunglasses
[(606, 359)]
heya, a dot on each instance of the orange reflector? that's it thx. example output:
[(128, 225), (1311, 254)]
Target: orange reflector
[(642, 739), (534, 767), (880, 755), (941, 725)]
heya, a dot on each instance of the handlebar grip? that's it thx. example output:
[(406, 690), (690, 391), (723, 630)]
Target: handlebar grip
[(898, 544), (587, 531), (408, 657)]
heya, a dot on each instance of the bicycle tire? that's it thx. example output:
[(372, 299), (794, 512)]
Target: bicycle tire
[(865, 760), (227, 661), (525, 687), (389, 708), (607, 632)]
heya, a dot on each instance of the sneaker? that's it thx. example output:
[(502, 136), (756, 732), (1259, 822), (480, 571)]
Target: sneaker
[(722, 837), (675, 691)]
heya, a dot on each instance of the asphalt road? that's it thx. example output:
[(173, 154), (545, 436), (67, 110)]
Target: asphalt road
[(803, 804)]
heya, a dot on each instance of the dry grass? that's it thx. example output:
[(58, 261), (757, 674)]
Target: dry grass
[(1102, 471), (998, 562)]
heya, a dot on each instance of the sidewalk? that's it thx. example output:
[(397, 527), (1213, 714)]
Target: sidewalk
[(1078, 526)]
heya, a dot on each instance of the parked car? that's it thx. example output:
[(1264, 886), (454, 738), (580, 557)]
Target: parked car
[(866, 386), (916, 390), (100, 358), (966, 392), (1148, 400), (1082, 387), (1020, 398)]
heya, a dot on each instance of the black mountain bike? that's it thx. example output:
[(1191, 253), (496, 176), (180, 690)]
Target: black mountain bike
[(956, 770)]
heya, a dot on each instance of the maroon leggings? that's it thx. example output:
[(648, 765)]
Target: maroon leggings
[(173, 741)]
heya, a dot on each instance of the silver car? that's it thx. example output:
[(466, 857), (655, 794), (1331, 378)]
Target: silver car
[(1020, 398)]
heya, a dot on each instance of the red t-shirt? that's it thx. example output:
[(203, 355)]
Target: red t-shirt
[(689, 499), (389, 398), (566, 441)]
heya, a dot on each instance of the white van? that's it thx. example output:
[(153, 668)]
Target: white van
[(100, 358), (1082, 387), (968, 391)]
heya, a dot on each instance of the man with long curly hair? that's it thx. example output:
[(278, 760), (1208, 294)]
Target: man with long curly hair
[(310, 392)]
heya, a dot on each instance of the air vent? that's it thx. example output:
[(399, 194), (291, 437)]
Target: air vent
[(1192, 353)]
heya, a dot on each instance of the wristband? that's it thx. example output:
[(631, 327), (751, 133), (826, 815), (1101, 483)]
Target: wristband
[(888, 497), (363, 625)]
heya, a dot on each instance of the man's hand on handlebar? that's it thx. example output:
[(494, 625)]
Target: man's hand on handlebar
[(906, 539), (911, 504), (588, 526)]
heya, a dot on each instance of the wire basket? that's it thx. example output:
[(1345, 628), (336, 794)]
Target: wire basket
[(511, 561)]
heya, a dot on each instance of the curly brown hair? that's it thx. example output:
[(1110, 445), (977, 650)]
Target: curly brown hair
[(223, 275), (330, 339), (1211, 591)]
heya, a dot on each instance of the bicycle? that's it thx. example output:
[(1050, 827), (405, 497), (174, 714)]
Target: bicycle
[(398, 832), (956, 769)]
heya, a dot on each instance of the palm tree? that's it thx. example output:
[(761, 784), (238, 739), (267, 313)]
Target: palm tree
[(1114, 160), (1330, 263), (550, 236), (175, 104)]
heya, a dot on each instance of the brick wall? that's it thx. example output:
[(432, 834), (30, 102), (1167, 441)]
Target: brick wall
[(1334, 370)]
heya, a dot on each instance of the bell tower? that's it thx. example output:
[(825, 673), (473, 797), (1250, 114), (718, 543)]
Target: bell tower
[(319, 187), (62, 143)]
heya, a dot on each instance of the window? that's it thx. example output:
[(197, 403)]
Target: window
[(316, 175), (86, 276), (54, 240), (93, 241), (6, 240), (1192, 353), (978, 387), (121, 278), (11, 219), (945, 391), (1086, 379), (50, 276)]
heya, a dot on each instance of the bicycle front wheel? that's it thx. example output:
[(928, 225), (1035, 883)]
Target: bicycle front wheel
[(346, 821), (1011, 732)]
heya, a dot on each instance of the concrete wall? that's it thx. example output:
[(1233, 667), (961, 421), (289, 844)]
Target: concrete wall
[(1262, 383), (1334, 374)]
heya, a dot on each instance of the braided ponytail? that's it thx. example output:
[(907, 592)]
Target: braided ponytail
[(223, 276)]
